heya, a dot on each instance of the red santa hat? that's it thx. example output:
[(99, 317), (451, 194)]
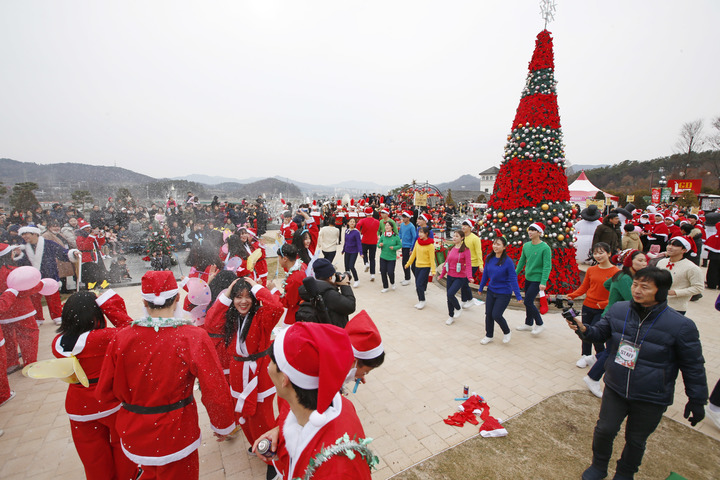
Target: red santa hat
[(315, 356), (687, 243), (422, 216), (158, 286), (339, 203), (31, 228), (468, 222), (250, 231), (368, 210), (5, 248), (83, 224), (625, 257), (364, 336), (539, 226), (407, 214), (385, 211)]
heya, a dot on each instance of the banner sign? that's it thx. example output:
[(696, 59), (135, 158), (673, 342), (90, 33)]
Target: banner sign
[(598, 203), (655, 195), (420, 199), (630, 198), (665, 195), (679, 186)]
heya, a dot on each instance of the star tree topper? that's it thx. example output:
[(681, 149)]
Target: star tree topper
[(547, 10)]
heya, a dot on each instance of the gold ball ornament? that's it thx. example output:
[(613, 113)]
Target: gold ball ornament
[(514, 228), (545, 206), (561, 237)]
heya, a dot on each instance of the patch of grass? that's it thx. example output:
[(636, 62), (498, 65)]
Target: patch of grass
[(553, 440)]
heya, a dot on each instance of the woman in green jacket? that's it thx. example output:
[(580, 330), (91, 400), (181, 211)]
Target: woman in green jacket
[(389, 244)]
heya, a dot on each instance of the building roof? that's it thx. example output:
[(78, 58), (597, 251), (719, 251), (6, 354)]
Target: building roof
[(490, 171)]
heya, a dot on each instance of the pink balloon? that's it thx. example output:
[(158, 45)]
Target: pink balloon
[(233, 264), (198, 292), (226, 235), (50, 286), (198, 312), (23, 278), (224, 249)]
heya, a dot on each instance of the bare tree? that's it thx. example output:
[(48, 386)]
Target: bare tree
[(691, 138), (714, 141)]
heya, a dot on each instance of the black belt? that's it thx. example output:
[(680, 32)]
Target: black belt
[(93, 380), (253, 357), (216, 335), (159, 409)]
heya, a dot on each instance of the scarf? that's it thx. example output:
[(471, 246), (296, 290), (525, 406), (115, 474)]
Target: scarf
[(427, 241), (35, 253)]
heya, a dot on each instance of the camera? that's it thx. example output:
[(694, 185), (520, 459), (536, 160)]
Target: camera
[(340, 276), (568, 312)]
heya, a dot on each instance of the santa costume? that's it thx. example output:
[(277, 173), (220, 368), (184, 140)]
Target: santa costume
[(249, 381), (92, 421), (318, 356), (365, 341), (18, 321), (90, 245), (151, 368)]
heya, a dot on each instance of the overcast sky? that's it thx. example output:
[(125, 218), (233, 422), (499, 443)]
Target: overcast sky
[(325, 91)]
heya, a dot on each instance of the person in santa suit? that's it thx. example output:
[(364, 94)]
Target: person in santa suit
[(251, 242), (288, 227), (92, 422), (18, 324), (295, 268), (308, 364), (7, 299), (151, 368), (245, 314), (367, 346), (43, 255), (90, 240)]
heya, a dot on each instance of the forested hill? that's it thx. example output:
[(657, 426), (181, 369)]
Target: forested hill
[(12, 171), (632, 176)]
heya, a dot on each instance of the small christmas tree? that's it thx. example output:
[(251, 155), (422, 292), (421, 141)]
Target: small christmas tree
[(531, 185), (158, 243)]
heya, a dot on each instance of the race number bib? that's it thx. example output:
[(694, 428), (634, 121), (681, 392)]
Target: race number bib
[(627, 354)]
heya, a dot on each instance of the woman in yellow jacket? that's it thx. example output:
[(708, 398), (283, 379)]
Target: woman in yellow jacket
[(423, 255)]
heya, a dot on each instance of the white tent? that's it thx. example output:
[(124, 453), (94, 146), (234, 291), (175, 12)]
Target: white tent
[(582, 189)]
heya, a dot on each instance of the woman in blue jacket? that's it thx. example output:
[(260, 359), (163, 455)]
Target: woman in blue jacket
[(351, 249), (502, 282)]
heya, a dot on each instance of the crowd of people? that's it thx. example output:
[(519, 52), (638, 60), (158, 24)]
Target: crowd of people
[(250, 342)]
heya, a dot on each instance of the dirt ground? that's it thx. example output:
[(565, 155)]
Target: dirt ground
[(552, 440)]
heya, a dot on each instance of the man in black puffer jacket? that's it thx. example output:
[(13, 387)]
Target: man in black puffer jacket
[(338, 299), (649, 343)]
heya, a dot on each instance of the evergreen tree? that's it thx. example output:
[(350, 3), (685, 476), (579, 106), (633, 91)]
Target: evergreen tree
[(531, 185), (22, 197), (157, 240)]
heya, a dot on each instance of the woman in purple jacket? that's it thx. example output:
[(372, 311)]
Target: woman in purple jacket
[(458, 267), (501, 279), (351, 249)]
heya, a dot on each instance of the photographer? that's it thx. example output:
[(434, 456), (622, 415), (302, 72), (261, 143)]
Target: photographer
[(648, 344), (330, 293)]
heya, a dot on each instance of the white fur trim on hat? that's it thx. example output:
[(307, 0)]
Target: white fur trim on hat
[(29, 229), (372, 353), (160, 298), (684, 241), (9, 249)]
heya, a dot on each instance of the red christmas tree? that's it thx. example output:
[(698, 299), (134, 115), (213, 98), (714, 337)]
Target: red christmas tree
[(531, 185)]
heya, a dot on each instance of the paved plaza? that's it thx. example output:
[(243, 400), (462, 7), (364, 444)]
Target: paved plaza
[(403, 404)]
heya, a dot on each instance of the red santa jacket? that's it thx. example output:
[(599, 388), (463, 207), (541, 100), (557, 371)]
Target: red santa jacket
[(321, 431), (249, 380), (81, 404), (314, 232), (89, 247), (149, 368), (22, 308), (369, 230), (290, 298), (287, 230)]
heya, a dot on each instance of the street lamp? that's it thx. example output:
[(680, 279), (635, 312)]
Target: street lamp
[(662, 181)]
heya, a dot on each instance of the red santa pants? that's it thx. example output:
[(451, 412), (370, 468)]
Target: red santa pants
[(187, 468), (4, 384), (98, 447), (24, 334), (261, 422), (54, 304)]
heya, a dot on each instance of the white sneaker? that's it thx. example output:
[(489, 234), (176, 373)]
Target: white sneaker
[(372, 278), (506, 337), (523, 328), (40, 322), (590, 360), (457, 313), (384, 290), (713, 415), (536, 329), (12, 395), (392, 286), (486, 340), (356, 284), (581, 363), (405, 283), (594, 386), (468, 304), (57, 321), (450, 321), (420, 305), (478, 302), (367, 267)]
